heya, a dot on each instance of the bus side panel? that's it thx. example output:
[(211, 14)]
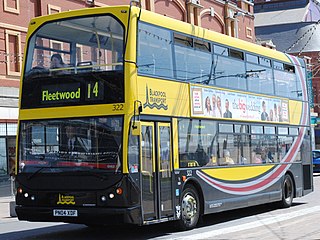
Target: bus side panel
[(217, 200)]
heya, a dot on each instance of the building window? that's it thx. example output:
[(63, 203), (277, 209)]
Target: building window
[(56, 45), (53, 9), (13, 52), (12, 6), (233, 30), (8, 129), (79, 54), (61, 48), (11, 129), (148, 5), (194, 12), (7, 147), (249, 32), (246, 7), (3, 157)]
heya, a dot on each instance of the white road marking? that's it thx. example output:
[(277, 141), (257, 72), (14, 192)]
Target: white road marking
[(255, 224)]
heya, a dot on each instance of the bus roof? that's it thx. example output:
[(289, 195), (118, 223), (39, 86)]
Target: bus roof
[(119, 11), (166, 22), (203, 33)]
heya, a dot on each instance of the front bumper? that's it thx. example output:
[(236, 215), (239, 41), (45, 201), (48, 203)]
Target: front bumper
[(86, 215)]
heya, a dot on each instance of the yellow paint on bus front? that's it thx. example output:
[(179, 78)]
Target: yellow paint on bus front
[(72, 111)]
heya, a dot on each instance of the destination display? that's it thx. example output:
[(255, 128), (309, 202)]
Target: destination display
[(88, 88), (72, 92), (216, 103)]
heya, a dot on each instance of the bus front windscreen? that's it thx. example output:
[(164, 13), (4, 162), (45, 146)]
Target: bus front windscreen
[(77, 61), (67, 145)]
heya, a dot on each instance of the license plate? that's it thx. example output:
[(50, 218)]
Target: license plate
[(65, 213)]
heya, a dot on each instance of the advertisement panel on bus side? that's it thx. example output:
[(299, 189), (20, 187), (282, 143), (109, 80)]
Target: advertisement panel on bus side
[(218, 103)]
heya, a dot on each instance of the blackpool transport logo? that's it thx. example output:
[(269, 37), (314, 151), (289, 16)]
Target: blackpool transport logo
[(155, 99), (64, 199)]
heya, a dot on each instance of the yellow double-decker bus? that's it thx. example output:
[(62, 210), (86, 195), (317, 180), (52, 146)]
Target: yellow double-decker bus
[(132, 117)]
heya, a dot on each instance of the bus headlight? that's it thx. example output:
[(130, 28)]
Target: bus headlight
[(103, 198)]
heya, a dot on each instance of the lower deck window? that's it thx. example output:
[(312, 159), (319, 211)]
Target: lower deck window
[(207, 143)]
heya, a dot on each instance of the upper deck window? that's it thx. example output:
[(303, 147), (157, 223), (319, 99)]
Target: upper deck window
[(73, 62), (192, 59), (219, 50), (259, 74), (278, 65), (286, 82), (236, 54), (229, 71), (183, 40), (202, 45), (154, 54), (252, 58), (265, 61)]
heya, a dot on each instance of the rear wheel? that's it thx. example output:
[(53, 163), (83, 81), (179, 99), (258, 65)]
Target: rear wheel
[(287, 192), (190, 208)]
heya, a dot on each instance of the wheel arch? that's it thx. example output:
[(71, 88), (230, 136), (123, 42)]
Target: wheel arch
[(289, 173), (195, 183)]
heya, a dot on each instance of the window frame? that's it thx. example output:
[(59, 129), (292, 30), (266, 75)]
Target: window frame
[(17, 35), (6, 8)]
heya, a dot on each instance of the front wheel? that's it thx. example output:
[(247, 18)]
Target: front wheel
[(287, 192), (190, 208)]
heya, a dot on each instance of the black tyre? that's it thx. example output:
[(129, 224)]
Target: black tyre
[(287, 192), (190, 208)]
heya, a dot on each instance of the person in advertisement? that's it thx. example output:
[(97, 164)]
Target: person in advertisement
[(218, 110), (227, 113), (271, 118), (264, 114), (275, 111), (214, 108), (280, 113), (207, 110)]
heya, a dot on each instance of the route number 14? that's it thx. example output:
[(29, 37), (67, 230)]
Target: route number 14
[(93, 90)]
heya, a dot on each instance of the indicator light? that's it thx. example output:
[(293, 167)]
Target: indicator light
[(119, 191)]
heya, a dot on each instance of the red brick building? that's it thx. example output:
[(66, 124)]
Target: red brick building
[(230, 17)]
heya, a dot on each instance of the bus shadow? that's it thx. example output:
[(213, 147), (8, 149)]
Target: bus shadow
[(226, 216)]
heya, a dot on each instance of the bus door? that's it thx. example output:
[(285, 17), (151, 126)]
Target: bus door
[(156, 171)]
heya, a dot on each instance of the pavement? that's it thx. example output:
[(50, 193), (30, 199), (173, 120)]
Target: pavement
[(5, 198), (5, 208)]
